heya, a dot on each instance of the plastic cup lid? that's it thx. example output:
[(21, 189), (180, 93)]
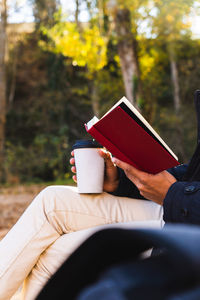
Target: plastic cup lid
[(86, 144)]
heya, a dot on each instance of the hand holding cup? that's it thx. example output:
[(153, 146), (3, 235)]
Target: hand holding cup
[(110, 180), (89, 166)]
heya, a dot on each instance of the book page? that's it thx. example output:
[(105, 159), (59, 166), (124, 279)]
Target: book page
[(93, 121)]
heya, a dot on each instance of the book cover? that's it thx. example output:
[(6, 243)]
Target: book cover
[(128, 136)]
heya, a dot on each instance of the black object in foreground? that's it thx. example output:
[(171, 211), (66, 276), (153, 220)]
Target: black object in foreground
[(108, 266)]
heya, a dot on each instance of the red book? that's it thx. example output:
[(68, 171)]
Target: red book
[(129, 137)]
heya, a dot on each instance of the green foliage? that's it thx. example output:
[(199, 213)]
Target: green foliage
[(171, 20), (44, 159), (54, 83), (86, 47), (157, 104)]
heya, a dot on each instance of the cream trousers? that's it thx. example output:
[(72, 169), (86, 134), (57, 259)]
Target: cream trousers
[(57, 221)]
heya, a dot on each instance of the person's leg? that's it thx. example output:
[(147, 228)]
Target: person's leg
[(55, 255), (55, 211)]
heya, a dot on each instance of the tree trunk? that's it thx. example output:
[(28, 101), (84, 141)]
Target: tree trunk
[(11, 95), (78, 23), (177, 104), (175, 81), (95, 99), (3, 13), (44, 11), (127, 53)]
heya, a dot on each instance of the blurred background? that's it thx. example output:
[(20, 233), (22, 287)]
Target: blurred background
[(62, 62)]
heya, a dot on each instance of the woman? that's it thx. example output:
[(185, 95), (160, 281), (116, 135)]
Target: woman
[(59, 219)]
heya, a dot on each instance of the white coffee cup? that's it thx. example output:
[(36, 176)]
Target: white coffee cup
[(89, 166)]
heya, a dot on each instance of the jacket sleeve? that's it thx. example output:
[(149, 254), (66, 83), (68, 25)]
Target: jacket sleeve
[(179, 171), (182, 203), (126, 188)]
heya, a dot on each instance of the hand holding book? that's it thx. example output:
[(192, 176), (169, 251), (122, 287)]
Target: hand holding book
[(151, 186)]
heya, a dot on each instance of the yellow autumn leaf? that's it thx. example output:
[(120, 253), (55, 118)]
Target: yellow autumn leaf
[(169, 18)]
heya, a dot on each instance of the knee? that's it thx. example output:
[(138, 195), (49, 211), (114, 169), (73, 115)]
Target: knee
[(47, 192), (47, 197), (53, 197)]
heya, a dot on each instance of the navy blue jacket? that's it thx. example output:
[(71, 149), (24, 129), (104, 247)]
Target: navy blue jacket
[(182, 202)]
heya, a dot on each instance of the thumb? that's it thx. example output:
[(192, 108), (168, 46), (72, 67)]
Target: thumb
[(127, 167), (107, 157)]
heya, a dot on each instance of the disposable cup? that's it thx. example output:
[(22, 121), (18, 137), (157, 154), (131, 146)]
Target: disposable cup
[(89, 166)]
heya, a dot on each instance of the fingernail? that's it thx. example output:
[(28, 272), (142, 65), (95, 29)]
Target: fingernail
[(114, 160)]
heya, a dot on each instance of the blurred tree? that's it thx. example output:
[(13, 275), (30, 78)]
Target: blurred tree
[(44, 11), (119, 19), (50, 107), (127, 52), (80, 68), (87, 43), (86, 47), (171, 25), (125, 15), (3, 24)]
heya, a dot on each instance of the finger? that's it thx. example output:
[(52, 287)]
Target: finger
[(73, 169), (72, 153), (107, 157), (127, 168), (74, 178), (103, 153), (72, 161)]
